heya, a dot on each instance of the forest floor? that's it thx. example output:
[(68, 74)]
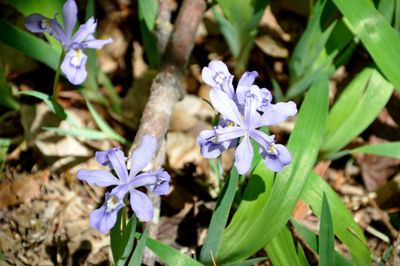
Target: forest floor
[(44, 209)]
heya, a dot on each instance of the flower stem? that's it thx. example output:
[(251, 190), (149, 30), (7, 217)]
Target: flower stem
[(220, 171), (57, 76), (124, 213)]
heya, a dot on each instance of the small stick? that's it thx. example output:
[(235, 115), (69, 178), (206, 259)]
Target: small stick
[(303, 242), (385, 219), (394, 251), (212, 257), (354, 233)]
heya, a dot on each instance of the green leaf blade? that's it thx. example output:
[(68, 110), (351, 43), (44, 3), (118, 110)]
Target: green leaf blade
[(281, 250), (253, 218), (313, 195), (376, 34), (168, 254), (326, 236), (391, 149), (29, 44), (375, 98), (219, 219), (138, 253)]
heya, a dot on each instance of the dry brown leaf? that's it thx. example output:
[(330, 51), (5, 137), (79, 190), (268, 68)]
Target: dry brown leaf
[(375, 170), (26, 190)]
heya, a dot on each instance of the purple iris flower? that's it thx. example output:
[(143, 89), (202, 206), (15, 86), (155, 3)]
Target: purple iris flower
[(75, 60), (275, 156), (104, 218), (244, 86), (208, 140), (217, 76)]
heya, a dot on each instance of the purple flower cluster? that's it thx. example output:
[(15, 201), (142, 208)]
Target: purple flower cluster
[(105, 217), (254, 105), (75, 60)]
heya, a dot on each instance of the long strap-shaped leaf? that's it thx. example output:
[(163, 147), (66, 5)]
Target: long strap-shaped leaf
[(326, 245), (219, 219), (170, 255), (343, 222), (359, 118), (312, 240), (28, 44), (281, 250), (376, 34), (264, 212)]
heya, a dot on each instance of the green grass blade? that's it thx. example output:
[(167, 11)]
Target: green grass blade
[(342, 220), (170, 255), (112, 93), (281, 250), (253, 217), (236, 11), (386, 8), (229, 32), (376, 34), (81, 132), (302, 257), (6, 98), (339, 38), (219, 219), (391, 149), (385, 256), (375, 98), (297, 63), (29, 44), (91, 66), (104, 126), (347, 101), (312, 240), (319, 45), (115, 239), (47, 8), (305, 82), (278, 94), (396, 19), (137, 255), (2, 257), (147, 16), (257, 10), (249, 262), (326, 236), (127, 240), (148, 11), (4, 146), (54, 106)]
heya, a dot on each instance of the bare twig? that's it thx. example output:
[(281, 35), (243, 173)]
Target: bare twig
[(303, 242), (167, 89), (395, 246), (383, 215), (163, 26)]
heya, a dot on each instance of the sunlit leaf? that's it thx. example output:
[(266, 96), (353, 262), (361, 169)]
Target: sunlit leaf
[(312, 240), (136, 258), (104, 126), (378, 37), (29, 44), (281, 250), (81, 132), (360, 113), (168, 254), (391, 149), (253, 217), (219, 219), (343, 222), (326, 236)]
